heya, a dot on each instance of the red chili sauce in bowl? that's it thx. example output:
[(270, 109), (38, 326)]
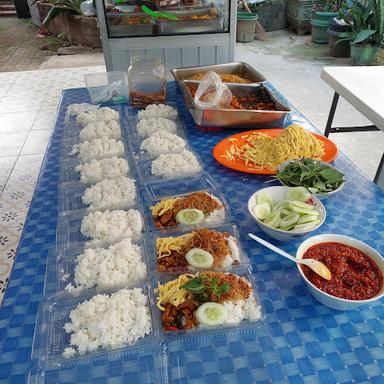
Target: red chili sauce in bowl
[(355, 276)]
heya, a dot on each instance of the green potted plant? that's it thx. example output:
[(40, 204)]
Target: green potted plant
[(366, 19), (321, 16)]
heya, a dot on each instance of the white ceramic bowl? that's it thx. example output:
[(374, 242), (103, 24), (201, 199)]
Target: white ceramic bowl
[(278, 195), (282, 166), (325, 298)]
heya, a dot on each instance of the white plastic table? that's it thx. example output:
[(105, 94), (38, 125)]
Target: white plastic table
[(363, 88)]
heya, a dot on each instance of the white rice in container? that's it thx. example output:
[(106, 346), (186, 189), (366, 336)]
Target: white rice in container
[(108, 322), (110, 194), (218, 215), (157, 110), (119, 265), (175, 165), (99, 148), (97, 170), (147, 127), (101, 114), (240, 310), (234, 255), (109, 129), (162, 142), (109, 227)]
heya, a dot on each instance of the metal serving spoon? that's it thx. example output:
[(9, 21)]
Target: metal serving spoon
[(316, 266)]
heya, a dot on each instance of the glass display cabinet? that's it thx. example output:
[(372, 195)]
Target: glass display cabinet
[(182, 32)]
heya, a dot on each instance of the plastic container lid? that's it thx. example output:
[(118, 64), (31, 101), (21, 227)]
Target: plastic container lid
[(247, 16)]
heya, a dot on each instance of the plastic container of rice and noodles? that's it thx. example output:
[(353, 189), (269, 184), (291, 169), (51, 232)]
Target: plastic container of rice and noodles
[(175, 251), (239, 312)]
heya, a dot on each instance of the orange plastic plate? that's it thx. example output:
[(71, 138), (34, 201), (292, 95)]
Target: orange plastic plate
[(330, 151)]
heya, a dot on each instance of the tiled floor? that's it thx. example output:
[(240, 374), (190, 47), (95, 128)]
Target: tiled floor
[(28, 102)]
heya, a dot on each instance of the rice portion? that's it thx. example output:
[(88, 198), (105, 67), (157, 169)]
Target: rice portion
[(110, 194), (163, 142), (99, 148), (101, 114), (176, 165), (240, 310), (120, 264), (108, 322), (157, 110), (109, 129), (109, 227), (97, 170), (147, 127)]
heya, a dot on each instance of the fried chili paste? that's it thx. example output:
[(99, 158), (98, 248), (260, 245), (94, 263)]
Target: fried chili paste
[(355, 276)]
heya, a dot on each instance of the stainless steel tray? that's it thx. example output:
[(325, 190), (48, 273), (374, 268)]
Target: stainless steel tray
[(165, 26), (239, 68), (235, 118), (121, 30)]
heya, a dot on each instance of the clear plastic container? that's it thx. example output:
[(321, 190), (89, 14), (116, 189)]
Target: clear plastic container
[(107, 87), (147, 81), (68, 173), (61, 268), (71, 194), (202, 330), (226, 228), (50, 338), (180, 188), (68, 229)]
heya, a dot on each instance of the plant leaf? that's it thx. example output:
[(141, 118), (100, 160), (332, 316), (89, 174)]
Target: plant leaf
[(363, 35)]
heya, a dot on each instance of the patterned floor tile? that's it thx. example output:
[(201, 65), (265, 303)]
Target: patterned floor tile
[(16, 121), (11, 143), (6, 166), (26, 170), (36, 142)]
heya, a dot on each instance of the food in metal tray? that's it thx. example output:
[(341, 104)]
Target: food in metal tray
[(259, 102), (194, 208), (175, 165), (225, 78), (199, 249), (265, 151), (108, 322), (206, 299)]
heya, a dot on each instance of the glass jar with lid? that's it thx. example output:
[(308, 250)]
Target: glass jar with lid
[(147, 81)]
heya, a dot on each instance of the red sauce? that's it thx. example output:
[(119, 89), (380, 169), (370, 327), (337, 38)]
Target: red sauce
[(355, 276)]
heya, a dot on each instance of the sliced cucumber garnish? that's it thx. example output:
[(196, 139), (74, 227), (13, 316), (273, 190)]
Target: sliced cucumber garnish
[(262, 210), (306, 226), (289, 220), (264, 198), (273, 219), (190, 216), (199, 258), (211, 314), (300, 204), (285, 212), (298, 193), (305, 211), (308, 219)]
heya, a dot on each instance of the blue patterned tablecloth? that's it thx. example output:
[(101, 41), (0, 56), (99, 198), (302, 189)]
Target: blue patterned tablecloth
[(300, 340)]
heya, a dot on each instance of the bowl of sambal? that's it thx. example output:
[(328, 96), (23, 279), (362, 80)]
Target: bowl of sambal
[(357, 271)]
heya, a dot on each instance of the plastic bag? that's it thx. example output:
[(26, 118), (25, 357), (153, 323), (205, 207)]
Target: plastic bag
[(212, 92)]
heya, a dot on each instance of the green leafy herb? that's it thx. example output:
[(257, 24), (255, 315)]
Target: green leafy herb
[(203, 288), (311, 174)]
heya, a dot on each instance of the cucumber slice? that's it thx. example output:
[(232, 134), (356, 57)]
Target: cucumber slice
[(211, 314), (305, 226), (285, 212), (199, 258), (289, 220), (262, 210), (308, 219), (264, 198), (189, 216), (273, 219), (298, 193), (305, 211), (287, 227), (300, 204)]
